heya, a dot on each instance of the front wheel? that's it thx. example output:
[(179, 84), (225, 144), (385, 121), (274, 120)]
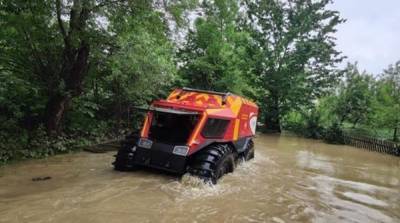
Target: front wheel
[(124, 157), (213, 162)]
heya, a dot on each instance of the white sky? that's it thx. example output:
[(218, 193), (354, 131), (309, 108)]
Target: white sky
[(371, 34)]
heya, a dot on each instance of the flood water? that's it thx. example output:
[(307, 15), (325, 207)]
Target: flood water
[(291, 180)]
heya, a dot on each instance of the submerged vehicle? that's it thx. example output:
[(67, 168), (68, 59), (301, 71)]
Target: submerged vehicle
[(201, 132)]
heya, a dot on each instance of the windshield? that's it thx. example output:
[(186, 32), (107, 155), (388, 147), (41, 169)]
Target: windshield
[(172, 128)]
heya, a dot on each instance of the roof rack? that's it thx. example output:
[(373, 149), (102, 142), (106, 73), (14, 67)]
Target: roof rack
[(205, 91), (165, 110)]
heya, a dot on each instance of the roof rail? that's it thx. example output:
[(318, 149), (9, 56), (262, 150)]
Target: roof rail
[(205, 91)]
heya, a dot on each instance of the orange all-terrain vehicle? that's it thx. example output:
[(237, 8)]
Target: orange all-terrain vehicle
[(201, 132)]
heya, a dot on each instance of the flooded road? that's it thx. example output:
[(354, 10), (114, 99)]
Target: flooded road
[(291, 180)]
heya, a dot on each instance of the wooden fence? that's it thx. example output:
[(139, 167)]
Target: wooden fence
[(372, 144)]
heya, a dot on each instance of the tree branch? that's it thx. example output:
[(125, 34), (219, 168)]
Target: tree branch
[(60, 22), (106, 3)]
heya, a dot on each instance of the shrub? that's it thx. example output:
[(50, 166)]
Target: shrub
[(334, 134), (305, 124)]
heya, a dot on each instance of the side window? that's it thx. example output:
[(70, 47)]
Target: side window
[(215, 128)]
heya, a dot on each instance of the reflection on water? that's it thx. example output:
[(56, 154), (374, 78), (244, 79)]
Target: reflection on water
[(291, 180)]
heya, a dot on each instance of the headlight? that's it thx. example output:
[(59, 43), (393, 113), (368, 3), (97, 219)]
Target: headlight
[(181, 150), (145, 143)]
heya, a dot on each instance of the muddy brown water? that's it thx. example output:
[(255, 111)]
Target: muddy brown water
[(291, 180)]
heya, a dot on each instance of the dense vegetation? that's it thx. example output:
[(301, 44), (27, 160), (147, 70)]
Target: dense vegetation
[(359, 104), (70, 70)]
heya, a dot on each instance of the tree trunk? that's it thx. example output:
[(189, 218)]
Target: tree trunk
[(74, 67), (272, 117), (395, 137), (74, 72), (56, 107)]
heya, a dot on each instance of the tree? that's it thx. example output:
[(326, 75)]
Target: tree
[(386, 106), (56, 46), (215, 56), (297, 58), (71, 67), (29, 47), (143, 65), (53, 54), (355, 95), (75, 60)]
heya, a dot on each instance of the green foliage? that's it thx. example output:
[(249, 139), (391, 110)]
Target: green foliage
[(75, 67), (297, 58), (386, 103), (364, 105), (385, 106), (361, 105), (355, 96), (334, 134), (37, 144), (313, 128), (307, 123), (216, 54), (146, 60), (294, 122)]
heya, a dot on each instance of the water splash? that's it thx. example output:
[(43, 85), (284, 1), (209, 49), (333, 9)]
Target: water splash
[(192, 187)]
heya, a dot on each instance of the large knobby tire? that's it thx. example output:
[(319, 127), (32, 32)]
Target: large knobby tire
[(212, 162), (125, 155), (249, 152)]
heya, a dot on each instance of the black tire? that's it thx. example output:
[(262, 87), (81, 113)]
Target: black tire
[(213, 162), (249, 152), (123, 159)]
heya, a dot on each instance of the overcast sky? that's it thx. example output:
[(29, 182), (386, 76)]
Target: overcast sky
[(371, 34)]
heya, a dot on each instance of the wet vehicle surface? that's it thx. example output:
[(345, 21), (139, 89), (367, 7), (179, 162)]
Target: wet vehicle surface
[(291, 180)]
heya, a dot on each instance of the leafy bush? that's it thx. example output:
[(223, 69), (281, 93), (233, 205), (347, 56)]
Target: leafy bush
[(313, 128), (334, 134), (304, 124), (37, 144)]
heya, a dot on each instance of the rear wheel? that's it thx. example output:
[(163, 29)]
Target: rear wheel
[(249, 152), (213, 162)]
